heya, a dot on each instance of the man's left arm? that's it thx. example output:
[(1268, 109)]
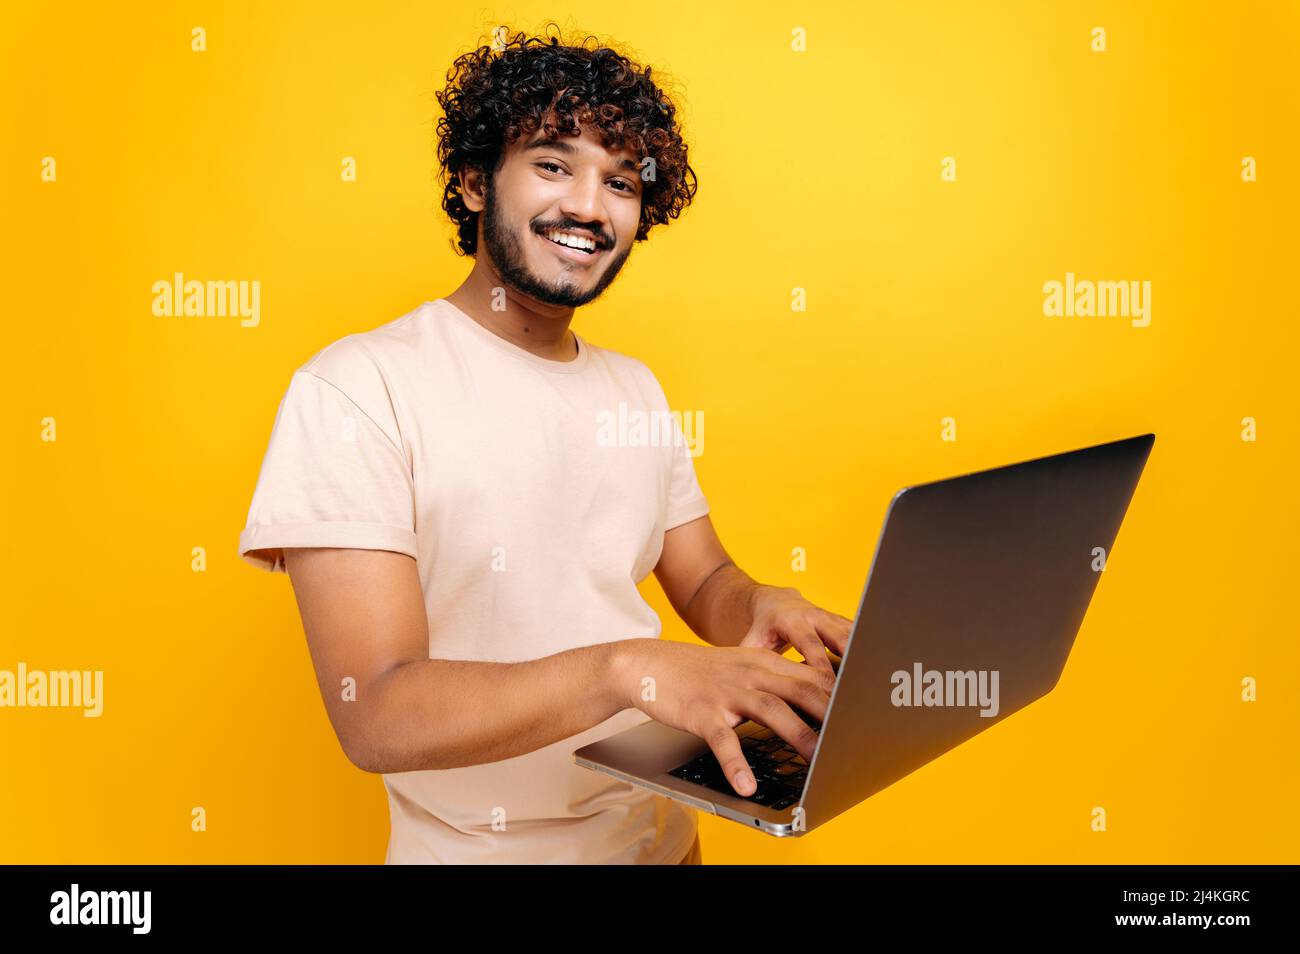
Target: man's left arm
[(724, 606)]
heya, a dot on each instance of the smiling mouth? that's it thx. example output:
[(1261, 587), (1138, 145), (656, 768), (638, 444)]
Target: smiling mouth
[(573, 248)]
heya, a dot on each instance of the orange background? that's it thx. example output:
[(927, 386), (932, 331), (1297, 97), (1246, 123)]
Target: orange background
[(818, 170)]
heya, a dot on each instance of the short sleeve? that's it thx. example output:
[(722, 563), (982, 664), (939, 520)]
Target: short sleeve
[(686, 501), (332, 477)]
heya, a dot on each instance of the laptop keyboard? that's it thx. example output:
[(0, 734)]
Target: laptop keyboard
[(778, 768)]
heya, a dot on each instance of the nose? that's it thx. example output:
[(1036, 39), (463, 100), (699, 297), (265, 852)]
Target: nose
[(582, 203)]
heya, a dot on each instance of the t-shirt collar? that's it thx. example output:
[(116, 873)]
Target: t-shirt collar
[(492, 338)]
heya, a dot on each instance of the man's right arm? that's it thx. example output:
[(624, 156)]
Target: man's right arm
[(365, 619), (364, 615)]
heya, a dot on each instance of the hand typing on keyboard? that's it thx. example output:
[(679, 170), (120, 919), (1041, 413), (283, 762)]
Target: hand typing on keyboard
[(710, 690), (779, 770)]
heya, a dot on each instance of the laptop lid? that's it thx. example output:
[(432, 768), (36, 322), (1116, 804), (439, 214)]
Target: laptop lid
[(977, 588)]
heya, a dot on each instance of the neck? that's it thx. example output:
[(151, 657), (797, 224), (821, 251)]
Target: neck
[(541, 329)]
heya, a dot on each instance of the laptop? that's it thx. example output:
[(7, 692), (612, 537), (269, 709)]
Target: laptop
[(972, 601)]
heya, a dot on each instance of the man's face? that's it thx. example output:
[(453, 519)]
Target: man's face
[(572, 185)]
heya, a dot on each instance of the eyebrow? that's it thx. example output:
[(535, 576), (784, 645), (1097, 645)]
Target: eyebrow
[(542, 141)]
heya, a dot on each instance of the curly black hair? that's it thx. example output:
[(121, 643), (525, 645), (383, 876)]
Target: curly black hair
[(499, 92)]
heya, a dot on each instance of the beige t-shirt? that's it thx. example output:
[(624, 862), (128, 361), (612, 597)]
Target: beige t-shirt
[(534, 495)]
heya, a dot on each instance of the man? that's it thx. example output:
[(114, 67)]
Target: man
[(463, 542)]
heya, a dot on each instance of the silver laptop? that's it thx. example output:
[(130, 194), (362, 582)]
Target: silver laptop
[(977, 588)]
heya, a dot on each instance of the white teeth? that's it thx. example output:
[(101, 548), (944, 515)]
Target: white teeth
[(572, 241)]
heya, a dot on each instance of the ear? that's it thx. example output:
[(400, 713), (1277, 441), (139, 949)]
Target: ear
[(472, 189)]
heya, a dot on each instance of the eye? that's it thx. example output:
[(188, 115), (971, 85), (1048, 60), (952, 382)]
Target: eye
[(625, 186)]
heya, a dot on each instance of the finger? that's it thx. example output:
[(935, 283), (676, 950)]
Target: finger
[(762, 635), (809, 696), (724, 742), (823, 679), (807, 640), (807, 692), (769, 709), (833, 631)]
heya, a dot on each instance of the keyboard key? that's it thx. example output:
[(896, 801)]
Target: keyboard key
[(780, 776)]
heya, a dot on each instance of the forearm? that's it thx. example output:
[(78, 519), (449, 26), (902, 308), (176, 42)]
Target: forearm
[(440, 714), (722, 611)]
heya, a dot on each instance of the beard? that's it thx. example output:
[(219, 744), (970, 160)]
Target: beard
[(505, 249)]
